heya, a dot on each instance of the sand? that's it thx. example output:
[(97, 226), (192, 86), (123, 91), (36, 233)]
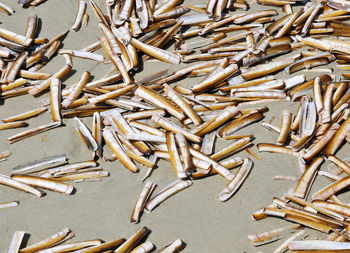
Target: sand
[(102, 209)]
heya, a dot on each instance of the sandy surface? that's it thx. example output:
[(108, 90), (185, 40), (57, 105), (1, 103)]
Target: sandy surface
[(103, 209)]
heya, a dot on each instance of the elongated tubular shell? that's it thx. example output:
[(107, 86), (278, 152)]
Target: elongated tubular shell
[(15, 37), (15, 69), (320, 210), (25, 115), (168, 125), (338, 138), (159, 101), (341, 164), (117, 149), (265, 69), (213, 80), (97, 133), (174, 247), (284, 245), (98, 13), (144, 114), (129, 244), (321, 144), (306, 179), (9, 204), (332, 189), (16, 242), (80, 176), (338, 208), (104, 247), (86, 135), (270, 236), (79, 16), (115, 59), (121, 124), (174, 155), (278, 130), (184, 150), (37, 89), (236, 182), (52, 240), (45, 183), (141, 201), (77, 89), (72, 246), (143, 248), (327, 104), (225, 115), (5, 180), (180, 102), (220, 169), (308, 223), (55, 99), (112, 94), (157, 53), (11, 125), (285, 127), (66, 168), (239, 123), (319, 246), (166, 193), (288, 24), (255, 15), (267, 147), (232, 148)]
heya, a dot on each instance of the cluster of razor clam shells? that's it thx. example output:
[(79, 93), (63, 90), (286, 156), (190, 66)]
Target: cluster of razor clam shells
[(142, 121), (135, 244)]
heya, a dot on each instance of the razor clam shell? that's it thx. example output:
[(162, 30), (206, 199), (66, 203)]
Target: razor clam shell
[(42, 164), (85, 132), (318, 245), (309, 119)]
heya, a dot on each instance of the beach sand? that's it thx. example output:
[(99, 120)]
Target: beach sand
[(102, 209)]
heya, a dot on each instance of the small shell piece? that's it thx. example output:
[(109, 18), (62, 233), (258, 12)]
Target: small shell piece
[(176, 246), (8, 204), (285, 127), (11, 125), (143, 248), (5, 8), (4, 155)]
